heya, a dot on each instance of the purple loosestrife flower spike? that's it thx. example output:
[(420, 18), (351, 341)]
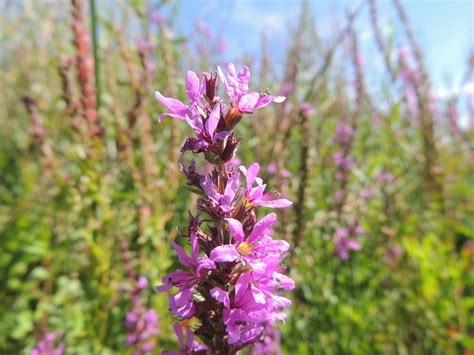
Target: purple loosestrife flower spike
[(140, 321), (343, 134), (230, 279), (344, 237), (345, 241)]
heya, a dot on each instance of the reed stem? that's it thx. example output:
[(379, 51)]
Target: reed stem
[(95, 50)]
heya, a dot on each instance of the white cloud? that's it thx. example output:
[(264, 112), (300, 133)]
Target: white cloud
[(446, 93)]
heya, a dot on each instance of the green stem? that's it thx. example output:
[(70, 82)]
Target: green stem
[(95, 49)]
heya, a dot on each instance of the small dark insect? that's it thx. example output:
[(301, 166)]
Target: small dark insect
[(276, 192), (265, 92)]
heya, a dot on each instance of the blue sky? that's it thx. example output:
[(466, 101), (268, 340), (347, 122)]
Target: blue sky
[(444, 28)]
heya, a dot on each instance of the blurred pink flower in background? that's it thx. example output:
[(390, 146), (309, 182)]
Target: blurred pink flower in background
[(203, 28), (344, 240), (222, 45), (307, 109), (46, 345), (384, 177)]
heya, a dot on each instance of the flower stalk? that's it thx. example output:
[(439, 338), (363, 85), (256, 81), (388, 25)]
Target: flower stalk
[(230, 282), (85, 71)]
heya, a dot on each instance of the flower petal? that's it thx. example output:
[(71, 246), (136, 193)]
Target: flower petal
[(250, 173), (234, 333), (233, 79), (247, 103), (261, 228), (190, 336), (193, 119), (221, 296), (244, 78), (182, 256), (232, 186), (258, 295), (205, 263), (251, 332), (352, 244), (285, 282), (192, 86), (265, 100), (183, 297), (195, 145), (213, 120), (179, 333), (279, 99), (280, 301), (236, 229), (256, 194), (175, 107), (194, 247), (230, 91), (142, 283), (224, 253), (163, 288), (241, 286), (280, 203), (208, 187), (272, 247), (177, 277)]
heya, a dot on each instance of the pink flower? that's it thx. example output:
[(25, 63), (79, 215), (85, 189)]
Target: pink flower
[(345, 242), (255, 195), (237, 87), (205, 130), (46, 346), (255, 301), (270, 342), (360, 59), (394, 253), (222, 45), (204, 28), (272, 168), (307, 109), (156, 17), (367, 193), (140, 321), (344, 162), (177, 108), (223, 202), (252, 248), (404, 54), (343, 134), (188, 347), (384, 177), (286, 89), (181, 304), (142, 283), (338, 195), (254, 304)]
